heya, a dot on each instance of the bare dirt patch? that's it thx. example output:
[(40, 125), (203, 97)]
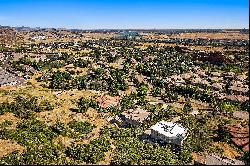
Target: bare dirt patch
[(10, 117), (107, 159), (74, 94), (228, 151), (58, 114), (227, 35), (7, 147), (62, 113), (95, 118), (66, 141)]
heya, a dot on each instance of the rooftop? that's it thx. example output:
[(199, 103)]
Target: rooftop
[(216, 160), (137, 114), (169, 129), (106, 101)]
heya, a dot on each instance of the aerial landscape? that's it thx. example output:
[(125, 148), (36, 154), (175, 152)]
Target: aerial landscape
[(124, 82)]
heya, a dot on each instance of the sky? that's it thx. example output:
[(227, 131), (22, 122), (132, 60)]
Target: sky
[(126, 14)]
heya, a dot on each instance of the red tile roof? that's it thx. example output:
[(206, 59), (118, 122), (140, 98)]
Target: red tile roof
[(106, 101)]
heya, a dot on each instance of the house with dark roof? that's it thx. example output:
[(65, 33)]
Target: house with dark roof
[(9, 79)]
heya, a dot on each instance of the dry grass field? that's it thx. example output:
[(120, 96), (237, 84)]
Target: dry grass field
[(227, 35)]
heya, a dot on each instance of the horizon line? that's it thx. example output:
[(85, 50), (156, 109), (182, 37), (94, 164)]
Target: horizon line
[(32, 27)]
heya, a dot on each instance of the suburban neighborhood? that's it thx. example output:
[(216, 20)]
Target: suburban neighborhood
[(124, 82), (125, 89)]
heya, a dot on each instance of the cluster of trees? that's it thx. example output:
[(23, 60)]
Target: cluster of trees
[(165, 65), (30, 132), (126, 102), (81, 127), (110, 80), (25, 107), (49, 63), (81, 63), (90, 153), (131, 150), (238, 66), (158, 113), (193, 92), (200, 136), (6, 123), (37, 138), (40, 65), (62, 80), (84, 103)]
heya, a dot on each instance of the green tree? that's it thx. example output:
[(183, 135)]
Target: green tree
[(187, 107), (142, 89)]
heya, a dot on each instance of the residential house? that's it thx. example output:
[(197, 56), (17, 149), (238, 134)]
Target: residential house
[(169, 132), (177, 80), (241, 115), (186, 76), (28, 68), (241, 77), (238, 98), (86, 58), (135, 117), (106, 101), (218, 86), (228, 74), (2, 56), (237, 83), (16, 56), (38, 57), (215, 74), (215, 79), (201, 73), (238, 90), (204, 83), (212, 159), (196, 81), (9, 79)]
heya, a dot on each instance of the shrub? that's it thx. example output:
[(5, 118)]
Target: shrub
[(46, 106), (29, 133), (60, 128), (14, 158), (25, 107), (84, 104), (90, 153), (6, 123), (81, 127)]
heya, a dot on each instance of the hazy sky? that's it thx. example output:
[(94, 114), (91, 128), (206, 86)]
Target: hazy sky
[(112, 14)]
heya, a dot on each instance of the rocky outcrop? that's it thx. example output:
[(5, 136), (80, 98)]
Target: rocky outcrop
[(212, 57), (240, 136)]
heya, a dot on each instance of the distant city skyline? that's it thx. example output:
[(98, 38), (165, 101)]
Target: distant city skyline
[(126, 14)]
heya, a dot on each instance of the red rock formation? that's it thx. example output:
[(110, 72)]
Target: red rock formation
[(212, 57), (240, 136)]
